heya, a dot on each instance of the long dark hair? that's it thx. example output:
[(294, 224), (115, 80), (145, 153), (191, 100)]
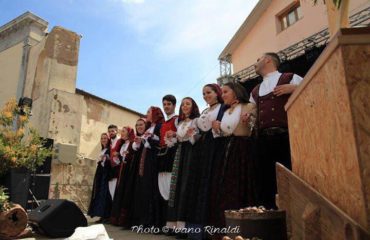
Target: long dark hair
[(240, 93), (146, 123), (216, 88), (108, 143), (157, 115), (194, 113)]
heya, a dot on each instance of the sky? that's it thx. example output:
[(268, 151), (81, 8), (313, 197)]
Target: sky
[(133, 52)]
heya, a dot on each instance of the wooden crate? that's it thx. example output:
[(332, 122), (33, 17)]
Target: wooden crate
[(310, 216), (329, 124)]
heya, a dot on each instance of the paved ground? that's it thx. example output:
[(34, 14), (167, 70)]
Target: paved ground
[(116, 233)]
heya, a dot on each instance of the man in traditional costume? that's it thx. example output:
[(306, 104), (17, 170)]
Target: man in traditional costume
[(167, 151), (270, 97), (114, 158)]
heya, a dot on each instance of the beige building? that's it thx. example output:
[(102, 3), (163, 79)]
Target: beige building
[(289, 27), (42, 65)]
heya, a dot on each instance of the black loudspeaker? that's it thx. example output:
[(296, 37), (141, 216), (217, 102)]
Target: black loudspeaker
[(45, 168), (41, 188), (18, 181), (57, 218), (40, 179)]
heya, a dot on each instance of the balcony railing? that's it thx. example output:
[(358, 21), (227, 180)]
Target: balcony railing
[(359, 19)]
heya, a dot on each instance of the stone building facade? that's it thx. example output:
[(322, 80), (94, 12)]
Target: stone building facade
[(42, 65)]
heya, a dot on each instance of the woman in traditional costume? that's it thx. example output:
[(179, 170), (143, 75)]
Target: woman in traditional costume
[(203, 160), (187, 134), (134, 202), (101, 201), (148, 195), (237, 184), (124, 185)]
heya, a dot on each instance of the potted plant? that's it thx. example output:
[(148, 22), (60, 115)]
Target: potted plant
[(21, 150), (4, 204)]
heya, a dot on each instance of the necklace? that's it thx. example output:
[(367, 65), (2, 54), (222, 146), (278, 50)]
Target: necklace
[(234, 104), (212, 106)]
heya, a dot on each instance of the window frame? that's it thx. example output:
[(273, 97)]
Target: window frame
[(284, 16)]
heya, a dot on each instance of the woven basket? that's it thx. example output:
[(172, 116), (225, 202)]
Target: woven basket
[(266, 225)]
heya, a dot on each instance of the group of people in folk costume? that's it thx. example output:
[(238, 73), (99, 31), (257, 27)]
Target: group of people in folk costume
[(183, 171)]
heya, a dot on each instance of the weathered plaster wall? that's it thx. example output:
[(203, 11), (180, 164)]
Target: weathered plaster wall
[(65, 117), (70, 181), (53, 63), (10, 67), (80, 119), (73, 182), (16, 39), (48, 73), (96, 116), (62, 46)]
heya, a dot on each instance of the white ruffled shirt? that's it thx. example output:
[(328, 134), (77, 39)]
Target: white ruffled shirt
[(229, 121), (135, 146), (144, 140), (270, 81), (103, 157), (114, 142), (182, 129), (204, 122), (124, 149)]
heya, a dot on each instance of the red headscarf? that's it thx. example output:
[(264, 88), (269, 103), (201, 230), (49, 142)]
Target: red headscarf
[(217, 89), (157, 115), (130, 133)]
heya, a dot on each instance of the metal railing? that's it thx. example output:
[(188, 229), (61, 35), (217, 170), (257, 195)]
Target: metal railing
[(359, 19)]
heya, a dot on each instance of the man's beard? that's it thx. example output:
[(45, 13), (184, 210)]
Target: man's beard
[(258, 71), (169, 113)]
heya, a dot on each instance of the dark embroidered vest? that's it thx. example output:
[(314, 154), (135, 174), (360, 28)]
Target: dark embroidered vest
[(271, 112), (167, 126)]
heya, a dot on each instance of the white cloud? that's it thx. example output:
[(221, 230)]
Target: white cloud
[(188, 26), (133, 1), (193, 31)]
